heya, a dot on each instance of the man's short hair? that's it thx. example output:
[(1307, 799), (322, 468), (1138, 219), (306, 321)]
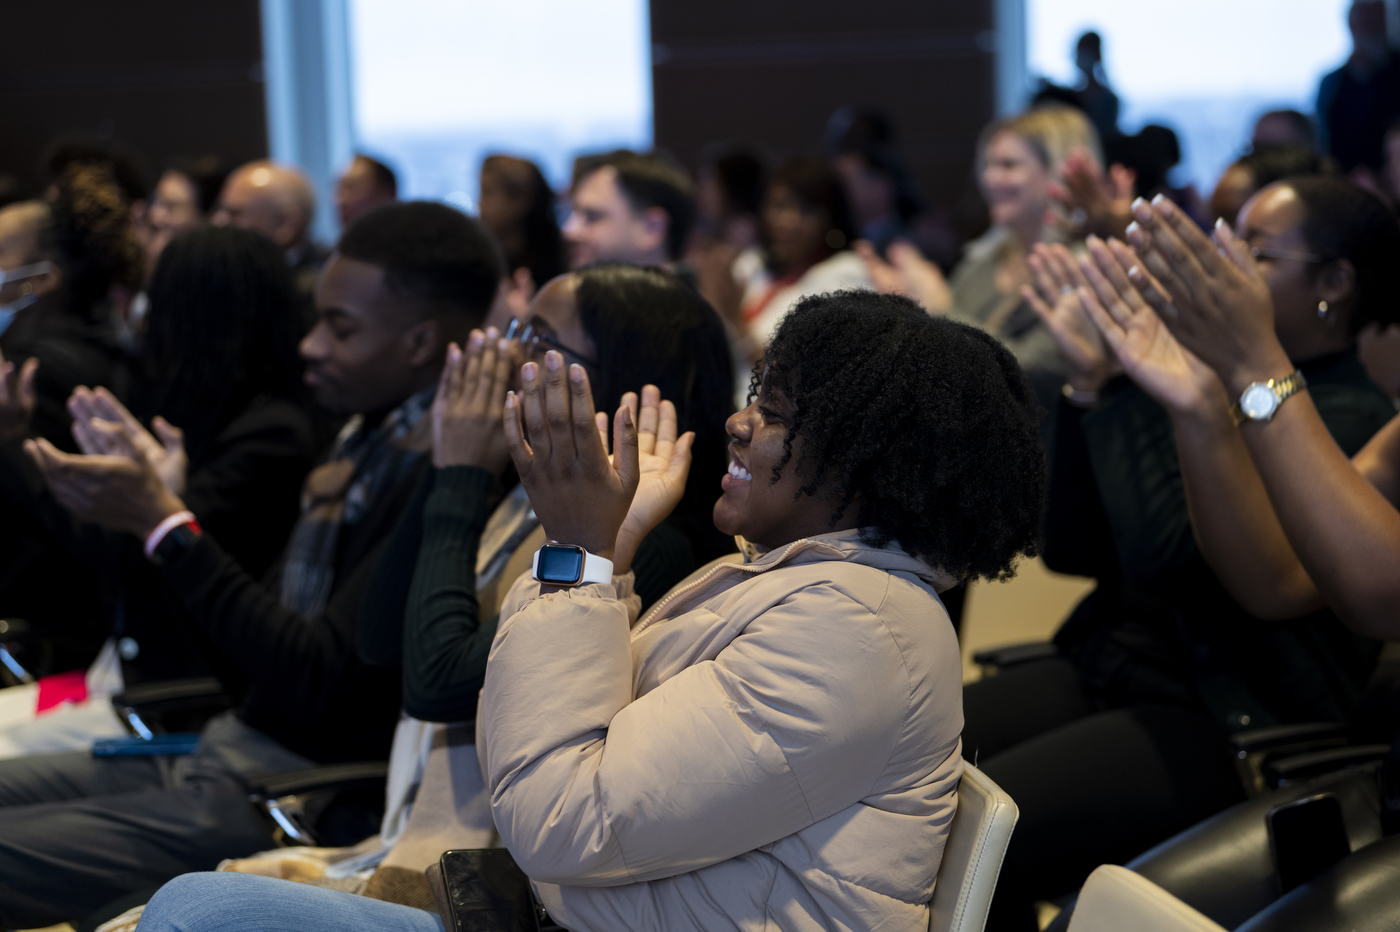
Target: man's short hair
[(649, 180), (431, 254), (384, 177)]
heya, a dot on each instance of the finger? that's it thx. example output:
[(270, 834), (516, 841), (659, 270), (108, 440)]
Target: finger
[(444, 389), (649, 416), (679, 464), (520, 453), (1113, 332), (532, 410), (114, 410), (1236, 249), (485, 381), (558, 409), (27, 372), (464, 381), (1117, 276), (84, 436), (1103, 289), (601, 419), (1153, 261), (1042, 310), (171, 437), (585, 424), (1177, 226), (114, 439), (1145, 287), (1066, 265), (1047, 284), (500, 380), (625, 456)]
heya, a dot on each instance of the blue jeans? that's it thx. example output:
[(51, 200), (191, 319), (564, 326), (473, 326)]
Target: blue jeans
[(239, 902)]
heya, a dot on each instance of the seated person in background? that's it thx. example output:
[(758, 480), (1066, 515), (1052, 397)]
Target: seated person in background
[(1259, 169), (219, 382), (182, 200), (1123, 733), (517, 206), (628, 207), (729, 187), (807, 233), (1283, 128), (1018, 162), (366, 184), (78, 831), (61, 260), (776, 741), (278, 202)]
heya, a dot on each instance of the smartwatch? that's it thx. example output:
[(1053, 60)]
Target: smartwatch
[(1260, 400), (569, 565)]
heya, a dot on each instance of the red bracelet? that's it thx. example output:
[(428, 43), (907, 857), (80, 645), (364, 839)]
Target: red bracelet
[(168, 525)]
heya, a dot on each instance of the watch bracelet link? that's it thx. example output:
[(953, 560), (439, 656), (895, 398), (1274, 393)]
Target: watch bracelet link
[(1283, 389)]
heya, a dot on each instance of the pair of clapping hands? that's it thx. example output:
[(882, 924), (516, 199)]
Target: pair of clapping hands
[(559, 445), (1181, 312), (126, 478)]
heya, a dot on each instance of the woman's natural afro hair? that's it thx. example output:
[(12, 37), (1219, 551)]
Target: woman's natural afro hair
[(926, 426)]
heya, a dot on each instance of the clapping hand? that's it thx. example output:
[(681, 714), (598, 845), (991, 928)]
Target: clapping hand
[(1055, 300), (579, 495), (467, 423), (664, 463), (1098, 202), (1211, 294), (1150, 355), (17, 397), (103, 426), (907, 272), (121, 492)]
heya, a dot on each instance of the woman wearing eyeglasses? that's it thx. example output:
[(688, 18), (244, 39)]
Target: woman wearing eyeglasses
[(1159, 663)]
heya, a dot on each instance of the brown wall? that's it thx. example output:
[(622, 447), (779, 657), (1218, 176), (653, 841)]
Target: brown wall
[(169, 77), (773, 71)]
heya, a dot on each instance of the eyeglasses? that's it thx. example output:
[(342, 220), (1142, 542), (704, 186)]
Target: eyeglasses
[(532, 337), (1263, 252)]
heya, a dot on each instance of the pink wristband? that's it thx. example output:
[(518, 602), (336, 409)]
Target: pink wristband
[(165, 527)]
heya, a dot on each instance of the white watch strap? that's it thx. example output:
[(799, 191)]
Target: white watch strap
[(596, 569)]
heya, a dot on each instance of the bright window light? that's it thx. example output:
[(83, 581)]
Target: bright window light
[(1206, 68), (441, 84)]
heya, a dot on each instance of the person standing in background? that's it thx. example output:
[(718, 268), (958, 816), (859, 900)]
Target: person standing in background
[(1359, 100)]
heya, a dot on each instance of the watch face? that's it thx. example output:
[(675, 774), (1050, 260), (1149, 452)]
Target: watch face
[(560, 565), (1258, 402)]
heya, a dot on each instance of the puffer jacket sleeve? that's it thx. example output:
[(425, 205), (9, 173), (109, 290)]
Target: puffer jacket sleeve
[(793, 721)]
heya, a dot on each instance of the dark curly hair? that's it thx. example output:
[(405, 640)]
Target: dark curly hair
[(927, 426), (89, 236)]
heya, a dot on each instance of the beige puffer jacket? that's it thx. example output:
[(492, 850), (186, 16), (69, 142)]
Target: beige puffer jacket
[(774, 746)]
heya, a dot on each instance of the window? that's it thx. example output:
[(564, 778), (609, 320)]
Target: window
[(441, 84), (1206, 68)]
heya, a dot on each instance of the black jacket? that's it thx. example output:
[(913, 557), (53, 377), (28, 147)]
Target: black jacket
[(1161, 627)]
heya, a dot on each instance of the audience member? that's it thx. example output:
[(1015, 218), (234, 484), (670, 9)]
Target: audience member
[(182, 200), (1018, 161), (807, 235), (219, 382), (1096, 98), (366, 184), (77, 831), (517, 206), (1160, 661), (628, 207), (1257, 170), (846, 544), (129, 170), (278, 202), (1282, 128), (729, 188)]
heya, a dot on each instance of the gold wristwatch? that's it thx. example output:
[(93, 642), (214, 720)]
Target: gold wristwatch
[(1260, 400)]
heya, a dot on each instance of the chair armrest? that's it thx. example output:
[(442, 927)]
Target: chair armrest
[(171, 705), (1266, 739), (337, 777), (1013, 654), (1286, 770)]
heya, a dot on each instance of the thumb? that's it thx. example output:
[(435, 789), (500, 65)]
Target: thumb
[(171, 437), (680, 456), (26, 382)]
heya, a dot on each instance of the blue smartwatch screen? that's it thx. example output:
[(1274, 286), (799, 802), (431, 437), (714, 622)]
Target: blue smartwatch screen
[(561, 565)]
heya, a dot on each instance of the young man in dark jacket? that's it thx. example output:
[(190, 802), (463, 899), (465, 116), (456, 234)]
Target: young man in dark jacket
[(76, 831)]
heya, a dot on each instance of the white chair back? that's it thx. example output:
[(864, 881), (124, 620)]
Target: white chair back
[(972, 858), (1114, 898)]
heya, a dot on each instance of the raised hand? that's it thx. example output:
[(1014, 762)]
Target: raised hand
[(1211, 294), (467, 424), (1150, 355), (1055, 300), (17, 397), (119, 492), (1097, 202), (580, 496), (907, 272), (664, 463), (102, 425)]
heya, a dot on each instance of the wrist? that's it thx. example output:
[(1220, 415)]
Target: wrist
[(1271, 363), (160, 511)]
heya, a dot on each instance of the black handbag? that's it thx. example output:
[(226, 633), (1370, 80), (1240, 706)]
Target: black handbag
[(484, 890)]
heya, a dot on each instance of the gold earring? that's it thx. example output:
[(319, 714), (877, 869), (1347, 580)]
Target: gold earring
[(1324, 310)]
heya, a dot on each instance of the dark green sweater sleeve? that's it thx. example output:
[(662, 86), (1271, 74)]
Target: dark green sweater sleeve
[(444, 642)]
